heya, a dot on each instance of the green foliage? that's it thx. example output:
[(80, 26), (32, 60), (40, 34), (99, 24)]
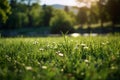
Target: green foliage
[(61, 22), (47, 14), (18, 18), (4, 10), (28, 13), (113, 9), (94, 14), (21, 16), (103, 14), (82, 16), (35, 14), (82, 58)]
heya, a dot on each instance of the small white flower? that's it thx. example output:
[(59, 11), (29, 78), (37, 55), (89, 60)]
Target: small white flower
[(60, 54), (112, 67), (103, 43), (35, 42), (82, 44), (41, 49), (57, 52), (85, 47), (28, 68), (44, 67), (82, 73), (62, 70), (86, 60)]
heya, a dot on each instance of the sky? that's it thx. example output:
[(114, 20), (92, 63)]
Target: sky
[(63, 2), (68, 2)]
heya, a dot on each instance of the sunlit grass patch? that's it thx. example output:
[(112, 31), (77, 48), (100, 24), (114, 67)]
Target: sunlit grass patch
[(56, 58)]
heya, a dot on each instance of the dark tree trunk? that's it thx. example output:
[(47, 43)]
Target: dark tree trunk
[(29, 16), (113, 27), (89, 29), (101, 14), (102, 26), (30, 20)]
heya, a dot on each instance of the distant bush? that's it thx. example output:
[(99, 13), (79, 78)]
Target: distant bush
[(61, 22)]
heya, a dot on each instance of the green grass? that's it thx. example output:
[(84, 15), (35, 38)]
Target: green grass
[(58, 58)]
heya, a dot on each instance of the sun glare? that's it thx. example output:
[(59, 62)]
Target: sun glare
[(86, 3)]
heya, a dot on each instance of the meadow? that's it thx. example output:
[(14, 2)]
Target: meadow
[(60, 58)]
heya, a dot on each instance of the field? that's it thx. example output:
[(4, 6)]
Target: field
[(60, 58)]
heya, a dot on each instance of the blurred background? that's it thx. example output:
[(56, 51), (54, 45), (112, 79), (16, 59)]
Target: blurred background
[(48, 17)]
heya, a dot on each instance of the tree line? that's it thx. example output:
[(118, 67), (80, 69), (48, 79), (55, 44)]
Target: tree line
[(100, 11), (24, 13)]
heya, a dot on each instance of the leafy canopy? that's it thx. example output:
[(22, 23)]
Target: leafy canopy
[(4, 10), (61, 22)]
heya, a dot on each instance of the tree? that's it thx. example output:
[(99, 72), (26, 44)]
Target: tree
[(102, 12), (13, 3), (66, 8), (94, 14), (35, 14), (85, 14), (113, 8), (29, 5), (18, 18), (24, 15), (82, 16), (47, 13), (98, 12), (61, 22), (5, 10)]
